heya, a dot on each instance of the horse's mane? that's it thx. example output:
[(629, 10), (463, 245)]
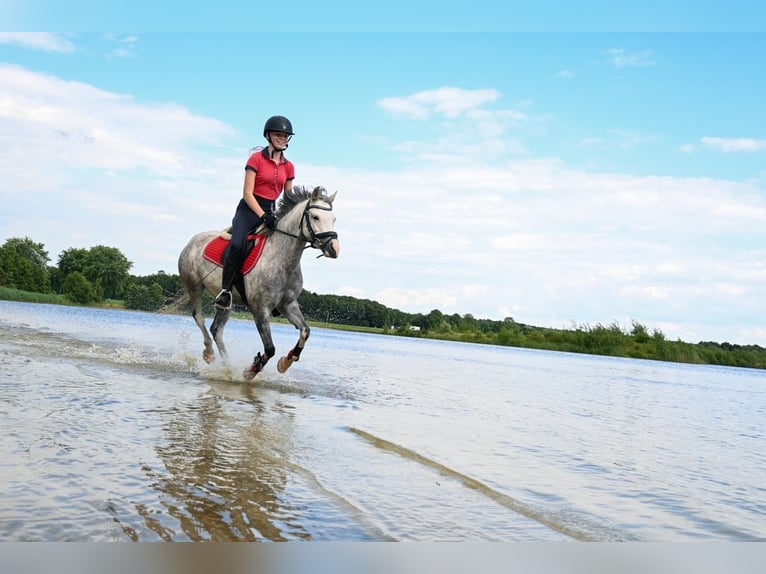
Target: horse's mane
[(292, 198)]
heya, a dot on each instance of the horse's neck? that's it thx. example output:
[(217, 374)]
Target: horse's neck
[(291, 224)]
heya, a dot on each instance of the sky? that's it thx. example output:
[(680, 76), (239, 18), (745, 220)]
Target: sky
[(560, 178)]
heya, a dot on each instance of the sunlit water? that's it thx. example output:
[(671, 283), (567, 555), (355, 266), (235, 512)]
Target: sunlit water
[(113, 429)]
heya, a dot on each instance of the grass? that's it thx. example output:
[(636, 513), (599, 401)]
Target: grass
[(10, 294)]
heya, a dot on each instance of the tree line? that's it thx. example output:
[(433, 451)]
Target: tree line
[(83, 276), (101, 275)]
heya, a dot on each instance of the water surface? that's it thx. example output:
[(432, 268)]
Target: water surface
[(114, 429)]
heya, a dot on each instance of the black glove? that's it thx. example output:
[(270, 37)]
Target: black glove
[(269, 220)]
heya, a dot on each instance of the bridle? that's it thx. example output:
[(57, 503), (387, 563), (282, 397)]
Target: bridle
[(316, 240)]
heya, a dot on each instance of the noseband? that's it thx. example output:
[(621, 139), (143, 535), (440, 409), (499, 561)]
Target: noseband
[(316, 240)]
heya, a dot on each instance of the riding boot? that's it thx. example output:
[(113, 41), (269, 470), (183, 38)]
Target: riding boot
[(223, 299)]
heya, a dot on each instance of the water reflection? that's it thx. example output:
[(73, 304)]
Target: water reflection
[(223, 476)]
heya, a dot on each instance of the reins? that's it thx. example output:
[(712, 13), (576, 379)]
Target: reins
[(324, 238)]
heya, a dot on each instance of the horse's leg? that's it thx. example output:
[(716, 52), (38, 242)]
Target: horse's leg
[(195, 296), (219, 323), (293, 313), (264, 330)]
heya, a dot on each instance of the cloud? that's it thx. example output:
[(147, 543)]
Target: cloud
[(38, 41), (400, 298), (618, 139), (447, 101), (120, 46), (96, 167), (566, 74), (73, 125), (481, 131), (734, 144), (621, 58), (558, 243), (490, 234)]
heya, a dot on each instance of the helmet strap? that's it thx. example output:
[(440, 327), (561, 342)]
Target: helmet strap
[(274, 148)]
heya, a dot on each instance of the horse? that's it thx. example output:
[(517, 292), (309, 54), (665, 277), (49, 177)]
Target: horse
[(304, 219)]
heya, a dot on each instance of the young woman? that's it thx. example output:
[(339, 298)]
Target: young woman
[(267, 173)]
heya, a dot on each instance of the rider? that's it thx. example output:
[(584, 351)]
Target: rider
[(267, 173)]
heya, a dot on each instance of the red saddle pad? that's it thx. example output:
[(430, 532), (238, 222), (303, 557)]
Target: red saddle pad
[(214, 250)]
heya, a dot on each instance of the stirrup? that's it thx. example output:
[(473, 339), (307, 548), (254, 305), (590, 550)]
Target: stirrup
[(223, 300)]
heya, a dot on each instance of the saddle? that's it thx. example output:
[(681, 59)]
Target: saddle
[(216, 247)]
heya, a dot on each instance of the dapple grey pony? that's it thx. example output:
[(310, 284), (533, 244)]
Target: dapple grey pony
[(304, 218)]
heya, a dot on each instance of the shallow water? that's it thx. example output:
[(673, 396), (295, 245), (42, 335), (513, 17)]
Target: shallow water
[(113, 429)]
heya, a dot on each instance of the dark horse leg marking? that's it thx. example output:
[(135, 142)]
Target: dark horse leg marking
[(260, 360), (217, 328)]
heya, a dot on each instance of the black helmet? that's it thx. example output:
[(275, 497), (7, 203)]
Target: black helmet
[(278, 124)]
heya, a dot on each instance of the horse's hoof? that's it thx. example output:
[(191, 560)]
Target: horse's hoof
[(208, 357), (249, 374), (285, 363)]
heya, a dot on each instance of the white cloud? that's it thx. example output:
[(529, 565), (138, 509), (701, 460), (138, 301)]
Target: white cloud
[(618, 139), (566, 74), (734, 144), (447, 101), (94, 167), (400, 298), (77, 125), (38, 41), (621, 58)]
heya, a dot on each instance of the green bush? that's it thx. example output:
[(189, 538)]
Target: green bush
[(78, 289), (143, 298)]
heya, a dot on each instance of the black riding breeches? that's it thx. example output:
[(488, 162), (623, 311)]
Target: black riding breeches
[(245, 220)]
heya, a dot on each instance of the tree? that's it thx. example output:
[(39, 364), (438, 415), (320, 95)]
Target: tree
[(72, 259), (639, 332), (23, 265), (56, 278), (78, 289), (432, 321), (144, 298), (469, 323), (171, 284), (105, 267)]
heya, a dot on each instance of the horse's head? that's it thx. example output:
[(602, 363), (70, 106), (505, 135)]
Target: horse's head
[(310, 214), (319, 222)]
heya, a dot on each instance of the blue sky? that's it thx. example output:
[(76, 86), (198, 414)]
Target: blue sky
[(557, 178)]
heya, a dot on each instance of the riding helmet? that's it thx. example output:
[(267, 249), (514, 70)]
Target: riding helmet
[(278, 124)]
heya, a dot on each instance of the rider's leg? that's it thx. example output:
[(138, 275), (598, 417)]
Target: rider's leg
[(230, 265), (244, 220)]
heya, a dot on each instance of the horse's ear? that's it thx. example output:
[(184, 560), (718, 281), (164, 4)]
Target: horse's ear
[(321, 193)]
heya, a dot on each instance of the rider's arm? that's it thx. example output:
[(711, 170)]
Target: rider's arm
[(247, 193)]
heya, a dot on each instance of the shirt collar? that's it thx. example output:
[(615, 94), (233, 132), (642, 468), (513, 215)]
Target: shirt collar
[(265, 153)]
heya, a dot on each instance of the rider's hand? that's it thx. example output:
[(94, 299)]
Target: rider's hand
[(269, 219)]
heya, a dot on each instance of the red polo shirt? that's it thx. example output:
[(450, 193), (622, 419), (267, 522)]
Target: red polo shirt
[(270, 176)]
